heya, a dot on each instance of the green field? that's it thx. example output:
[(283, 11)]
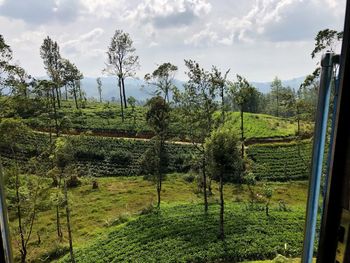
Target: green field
[(182, 233), (96, 214)]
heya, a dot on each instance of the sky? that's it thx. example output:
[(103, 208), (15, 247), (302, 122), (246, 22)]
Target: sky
[(259, 39)]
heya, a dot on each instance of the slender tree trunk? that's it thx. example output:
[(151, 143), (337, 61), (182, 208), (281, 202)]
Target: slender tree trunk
[(68, 223), (267, 209), (121, 98), (55, 114), (58, 97), (277, 102), (222, 233), (23, 248), (100, 95), (124, 96), (222, 105), (158, 191), (65, 87), (75, 97), (58, 220), (242, 134), (205, 195)]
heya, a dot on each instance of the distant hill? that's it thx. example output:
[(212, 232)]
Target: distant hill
[(265, 87), (141, 91)]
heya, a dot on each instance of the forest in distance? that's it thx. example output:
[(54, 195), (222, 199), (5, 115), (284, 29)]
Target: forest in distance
[(214, 171)]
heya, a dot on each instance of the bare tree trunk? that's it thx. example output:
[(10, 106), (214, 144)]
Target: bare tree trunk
[(23, 249), (205, 185), (65, 87), (68, 223), (58, 97), (55, 113), (124, 96), (222, 233), (75, 97), (159, 191), (58, 220), (121, 98), (242, 134)]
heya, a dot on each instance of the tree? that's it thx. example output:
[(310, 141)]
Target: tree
[(23, 196), (99, 87), (198, 104), (50, 53), (267, 193), (219, 82), (122, 62), (157, 118), (5, 58), (132, 103), (63, 156), (162, 78), (276, 87), (224, 164), (241, 92), (71, 76), (326, 39)]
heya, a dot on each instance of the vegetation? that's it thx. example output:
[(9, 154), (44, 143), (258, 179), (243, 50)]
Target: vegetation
[(182, 233), (121, 199), (76, 166)]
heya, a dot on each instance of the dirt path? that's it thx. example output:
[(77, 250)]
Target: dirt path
[(148, 136)]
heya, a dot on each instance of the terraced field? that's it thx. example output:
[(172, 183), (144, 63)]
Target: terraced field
[(281, 161)]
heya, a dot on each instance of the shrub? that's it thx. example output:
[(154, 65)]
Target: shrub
[(73, 181), (120, 157), (83, 154), (189, 177)]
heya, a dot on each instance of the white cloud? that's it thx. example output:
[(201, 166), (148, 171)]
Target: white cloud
[(169, 13), (102, 8), (84, 44)]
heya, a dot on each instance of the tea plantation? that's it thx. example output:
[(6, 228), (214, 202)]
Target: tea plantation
[(281, 161), (182, 233)]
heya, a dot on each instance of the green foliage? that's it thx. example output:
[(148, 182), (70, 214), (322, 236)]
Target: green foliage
[(183, 234), (120, 157), (223, 156), (157, 116)]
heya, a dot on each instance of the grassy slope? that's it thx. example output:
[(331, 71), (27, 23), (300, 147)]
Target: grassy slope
[(265, 126), (119, 198), (183, 233)]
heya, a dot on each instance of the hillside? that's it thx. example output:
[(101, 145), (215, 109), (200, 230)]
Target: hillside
[(98, 215), (104, 119), (182, 233)]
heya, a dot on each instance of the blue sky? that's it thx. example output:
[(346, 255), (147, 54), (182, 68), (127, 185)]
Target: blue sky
[(258, 39)]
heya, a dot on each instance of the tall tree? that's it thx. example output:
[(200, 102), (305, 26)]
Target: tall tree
[(99, 87), (122, 62), (24, 201), (155, 159), (71, 76), (162, 78), (50, 53), (63, 156), (276, 87), (224, 163), (198, 104), (219, 82), (241, 92), (5, 59)]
